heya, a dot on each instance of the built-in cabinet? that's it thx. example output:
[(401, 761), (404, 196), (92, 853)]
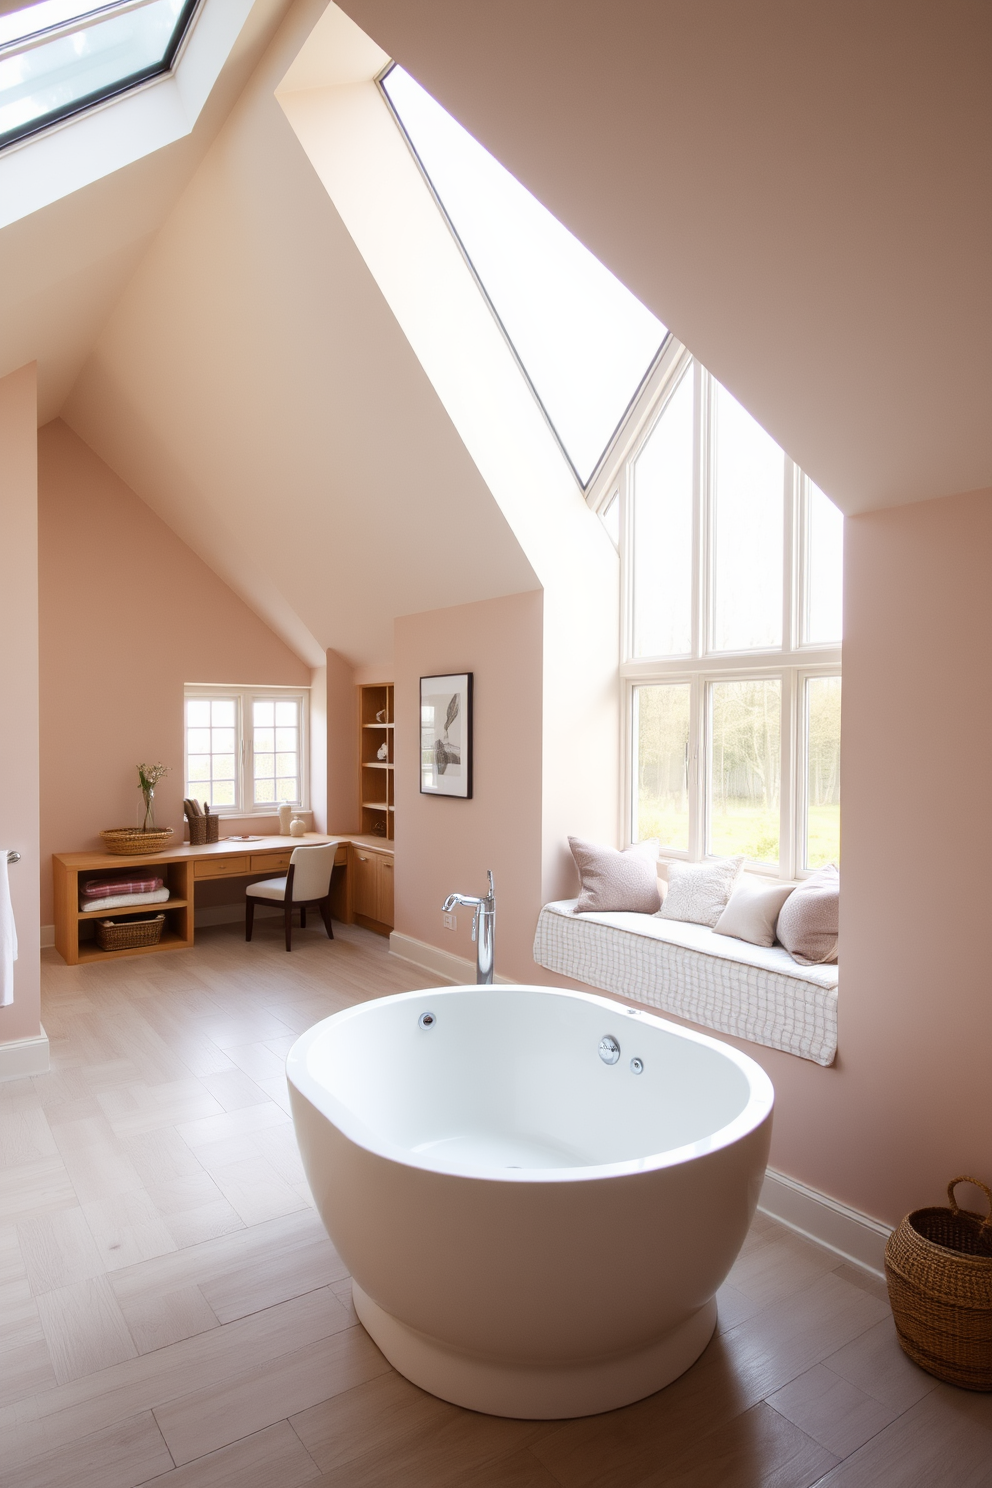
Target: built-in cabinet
[(371, 872), (375, 754)]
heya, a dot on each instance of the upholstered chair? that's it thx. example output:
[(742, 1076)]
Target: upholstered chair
[(306, 885)]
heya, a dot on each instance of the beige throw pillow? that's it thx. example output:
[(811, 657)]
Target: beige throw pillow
[(698, 892), (809, 923), (612, 881), (752, 910)]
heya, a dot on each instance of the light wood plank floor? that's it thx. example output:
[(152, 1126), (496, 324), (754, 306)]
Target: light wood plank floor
[(174, 1313)]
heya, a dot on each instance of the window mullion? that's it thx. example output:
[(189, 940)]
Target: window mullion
[(790, 808), (791, 577), (702, 583), (698, 747), (247, 750)]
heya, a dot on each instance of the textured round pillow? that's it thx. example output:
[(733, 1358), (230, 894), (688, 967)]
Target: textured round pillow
[(809, 922)]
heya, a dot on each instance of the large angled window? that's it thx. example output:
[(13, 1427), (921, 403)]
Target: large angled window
[(583, 341), (62, 56), (732, 565)]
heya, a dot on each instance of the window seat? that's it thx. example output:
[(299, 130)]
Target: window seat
[(723, 983)]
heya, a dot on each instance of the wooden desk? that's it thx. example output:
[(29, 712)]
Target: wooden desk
[(181, 867)]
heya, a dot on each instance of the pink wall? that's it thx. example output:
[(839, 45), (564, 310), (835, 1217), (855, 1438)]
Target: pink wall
[(342, 745), (128, 615), (906, 1106), (19, 685), (444, 844)]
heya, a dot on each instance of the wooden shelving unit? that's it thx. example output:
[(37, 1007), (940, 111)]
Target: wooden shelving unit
[(376, 776)]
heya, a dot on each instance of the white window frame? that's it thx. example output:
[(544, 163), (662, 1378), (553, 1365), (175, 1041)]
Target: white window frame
[(791, 664), (244, 746)]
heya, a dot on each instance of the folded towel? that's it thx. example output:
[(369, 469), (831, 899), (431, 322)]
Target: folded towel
[(99, 888), (124, 901), (8, 935)]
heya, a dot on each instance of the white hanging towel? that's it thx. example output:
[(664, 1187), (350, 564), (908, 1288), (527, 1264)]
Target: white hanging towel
[(8, 936)]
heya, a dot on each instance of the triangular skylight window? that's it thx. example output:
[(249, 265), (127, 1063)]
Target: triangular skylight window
[(59, 57), (583, 341)]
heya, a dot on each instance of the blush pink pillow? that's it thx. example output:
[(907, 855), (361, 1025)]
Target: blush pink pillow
[(809, 921), (612, 882)]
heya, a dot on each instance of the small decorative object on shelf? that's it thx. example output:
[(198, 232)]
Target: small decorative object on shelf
[(380, 717), (285, 817), (297, 827), (938, 1265), (130, 841), (149, 777), (382, 752)]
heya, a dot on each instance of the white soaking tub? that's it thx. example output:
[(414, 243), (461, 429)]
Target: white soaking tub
[(532, 1231)]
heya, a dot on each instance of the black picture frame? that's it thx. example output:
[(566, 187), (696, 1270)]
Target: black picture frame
[(446, 735)]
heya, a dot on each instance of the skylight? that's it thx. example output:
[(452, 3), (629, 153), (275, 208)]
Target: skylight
[(583, 341), (62, 56)]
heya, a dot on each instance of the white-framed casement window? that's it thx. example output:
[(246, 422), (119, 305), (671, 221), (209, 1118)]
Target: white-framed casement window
[(732, 578), (246, 748)]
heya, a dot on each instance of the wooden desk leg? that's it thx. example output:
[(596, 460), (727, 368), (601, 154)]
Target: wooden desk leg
[(187, 893), (65, 882)]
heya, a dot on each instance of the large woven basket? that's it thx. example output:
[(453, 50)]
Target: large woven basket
[(128, 842), (126, 935), (938, 1264)]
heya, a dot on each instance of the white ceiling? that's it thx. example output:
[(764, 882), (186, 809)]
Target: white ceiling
[(802, 193)]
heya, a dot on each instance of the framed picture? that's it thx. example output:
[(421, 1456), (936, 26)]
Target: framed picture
[(446, 735)]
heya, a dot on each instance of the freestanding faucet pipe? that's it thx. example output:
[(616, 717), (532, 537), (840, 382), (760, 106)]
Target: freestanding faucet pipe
[(483, 929)]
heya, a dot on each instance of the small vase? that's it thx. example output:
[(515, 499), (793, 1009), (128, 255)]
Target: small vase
[(148, 825), (285, 816), (297, 827)]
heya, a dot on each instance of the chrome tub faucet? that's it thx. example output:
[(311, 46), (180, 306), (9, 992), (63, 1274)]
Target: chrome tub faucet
[(483, 929)]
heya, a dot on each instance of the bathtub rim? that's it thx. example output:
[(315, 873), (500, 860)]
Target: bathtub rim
[(756, 1111)]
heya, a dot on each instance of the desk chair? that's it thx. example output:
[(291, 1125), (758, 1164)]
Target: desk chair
[(306, 884)]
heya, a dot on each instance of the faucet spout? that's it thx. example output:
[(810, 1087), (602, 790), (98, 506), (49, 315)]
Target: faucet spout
[(483, 928), (463, 899)]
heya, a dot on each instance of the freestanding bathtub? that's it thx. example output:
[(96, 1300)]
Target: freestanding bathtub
[(537, 1192)]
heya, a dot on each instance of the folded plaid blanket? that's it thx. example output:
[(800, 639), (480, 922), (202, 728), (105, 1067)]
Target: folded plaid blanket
[(103, 888)]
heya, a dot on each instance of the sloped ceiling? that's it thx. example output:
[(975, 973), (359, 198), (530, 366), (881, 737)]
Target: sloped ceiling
[(802, 193), (62, 268), (253, 387)]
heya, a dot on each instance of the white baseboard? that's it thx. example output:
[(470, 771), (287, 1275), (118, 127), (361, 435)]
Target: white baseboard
[(845, 1231), (458, 971), (23, 1057), (47, 937)]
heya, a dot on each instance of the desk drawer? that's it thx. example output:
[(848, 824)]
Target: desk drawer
[(219, 867), (270, 862)]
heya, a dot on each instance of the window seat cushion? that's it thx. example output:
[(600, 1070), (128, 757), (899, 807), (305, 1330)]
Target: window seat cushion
[(749, 991)]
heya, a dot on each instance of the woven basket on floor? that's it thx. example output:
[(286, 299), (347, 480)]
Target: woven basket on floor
[(125, 935), (938, 1265), (128, 842)]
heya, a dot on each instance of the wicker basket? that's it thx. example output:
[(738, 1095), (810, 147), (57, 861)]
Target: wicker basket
[(938, 1265), (129, 842), (125, 935)]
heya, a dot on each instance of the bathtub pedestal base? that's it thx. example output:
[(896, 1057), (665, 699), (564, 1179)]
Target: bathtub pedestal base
[(535, 1392)]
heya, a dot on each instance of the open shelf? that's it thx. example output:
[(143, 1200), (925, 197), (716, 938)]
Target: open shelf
[(131, 909), (90, 951), (377, 816)]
